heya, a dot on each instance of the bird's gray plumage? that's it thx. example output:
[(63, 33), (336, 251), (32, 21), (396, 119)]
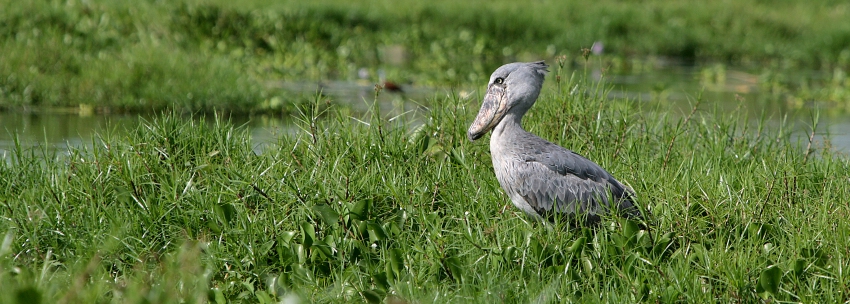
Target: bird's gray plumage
[(540, 177)]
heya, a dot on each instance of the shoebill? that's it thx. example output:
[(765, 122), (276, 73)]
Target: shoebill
[(541, 178)]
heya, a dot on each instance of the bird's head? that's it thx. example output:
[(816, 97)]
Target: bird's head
[(513, 88)]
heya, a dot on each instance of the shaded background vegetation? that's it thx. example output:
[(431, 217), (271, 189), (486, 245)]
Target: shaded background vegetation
[(200, 55)]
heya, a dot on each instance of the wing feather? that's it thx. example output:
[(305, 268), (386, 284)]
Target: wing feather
[(558, 180)]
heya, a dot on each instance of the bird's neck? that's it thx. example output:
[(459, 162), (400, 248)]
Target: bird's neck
[(510, 124)]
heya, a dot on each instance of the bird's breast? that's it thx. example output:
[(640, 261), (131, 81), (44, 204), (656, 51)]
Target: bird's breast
[(506, 167)]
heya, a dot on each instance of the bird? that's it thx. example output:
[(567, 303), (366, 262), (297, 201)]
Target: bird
[(387, 84), (542, 179)]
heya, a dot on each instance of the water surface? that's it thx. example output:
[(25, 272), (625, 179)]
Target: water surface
[(677, 85)]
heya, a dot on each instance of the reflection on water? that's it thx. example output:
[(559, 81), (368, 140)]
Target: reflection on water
[(730, 90), (59, 131), (672, 85)]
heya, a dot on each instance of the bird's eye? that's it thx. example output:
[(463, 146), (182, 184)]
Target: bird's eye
[(499, 80)]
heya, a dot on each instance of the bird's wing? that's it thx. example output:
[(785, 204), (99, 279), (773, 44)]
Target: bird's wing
[(546, 190), (568, 163), (556, 178)]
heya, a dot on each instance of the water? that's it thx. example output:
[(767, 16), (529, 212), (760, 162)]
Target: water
[(674, 84), (682, 85), (60, 130)]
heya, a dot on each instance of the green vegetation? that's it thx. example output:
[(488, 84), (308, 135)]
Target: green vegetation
[(199, 55), (344, 211)]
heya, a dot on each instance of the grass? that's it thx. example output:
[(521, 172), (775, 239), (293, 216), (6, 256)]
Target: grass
[(201, 55), (344, 210)]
